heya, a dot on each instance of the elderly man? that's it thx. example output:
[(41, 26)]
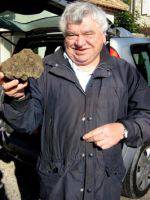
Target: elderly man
[(88, 104)]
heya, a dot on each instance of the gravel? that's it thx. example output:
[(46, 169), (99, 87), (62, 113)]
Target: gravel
[(8, 181)]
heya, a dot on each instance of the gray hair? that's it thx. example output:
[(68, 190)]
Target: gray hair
[(75, 12)]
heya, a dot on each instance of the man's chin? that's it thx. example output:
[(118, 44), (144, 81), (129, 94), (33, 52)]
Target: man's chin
[(81, 62)]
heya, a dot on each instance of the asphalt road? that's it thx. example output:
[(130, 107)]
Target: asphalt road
[(19, 182)]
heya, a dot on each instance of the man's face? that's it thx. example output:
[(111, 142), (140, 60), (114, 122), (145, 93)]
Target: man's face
[(84, 41)]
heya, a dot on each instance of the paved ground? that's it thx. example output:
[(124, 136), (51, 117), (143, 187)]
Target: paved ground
[(146, 197), (18, 182)]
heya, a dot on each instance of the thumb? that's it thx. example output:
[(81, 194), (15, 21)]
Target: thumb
[(1, 77)]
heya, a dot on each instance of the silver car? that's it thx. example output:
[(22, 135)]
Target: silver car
[(135, 50)]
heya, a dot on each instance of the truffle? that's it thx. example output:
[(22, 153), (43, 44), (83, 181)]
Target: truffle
[(23, 65)]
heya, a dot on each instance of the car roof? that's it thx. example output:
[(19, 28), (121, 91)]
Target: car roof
[(131, 40)]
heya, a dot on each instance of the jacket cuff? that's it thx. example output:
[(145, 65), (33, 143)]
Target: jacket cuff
[(134, 138), (18, 104), (1, 99)]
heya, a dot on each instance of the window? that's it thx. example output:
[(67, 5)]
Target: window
[(40, 51), (141, 56), (145, 7)]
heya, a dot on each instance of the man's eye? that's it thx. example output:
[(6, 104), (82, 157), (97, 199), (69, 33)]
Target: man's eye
[(70, 35), (89, 33)]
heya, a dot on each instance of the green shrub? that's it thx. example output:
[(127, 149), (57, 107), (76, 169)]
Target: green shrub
[(127, 1), (145, 30), (127, 20)]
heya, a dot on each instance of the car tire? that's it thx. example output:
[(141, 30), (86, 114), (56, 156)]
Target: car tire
[(137, 181)]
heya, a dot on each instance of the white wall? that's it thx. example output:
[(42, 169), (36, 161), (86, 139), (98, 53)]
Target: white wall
[(5, 48), (110, 16), (143, 8)]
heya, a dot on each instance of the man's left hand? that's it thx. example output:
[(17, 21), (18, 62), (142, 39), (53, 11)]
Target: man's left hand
[(106, 136)]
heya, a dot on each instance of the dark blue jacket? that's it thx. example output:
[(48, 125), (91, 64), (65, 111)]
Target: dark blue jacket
[(70, 168)]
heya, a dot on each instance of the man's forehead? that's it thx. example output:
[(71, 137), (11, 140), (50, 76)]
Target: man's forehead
[(85, 23), (78, 21)]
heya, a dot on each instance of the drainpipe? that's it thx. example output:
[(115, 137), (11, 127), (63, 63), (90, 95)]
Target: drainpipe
[(133, 7)]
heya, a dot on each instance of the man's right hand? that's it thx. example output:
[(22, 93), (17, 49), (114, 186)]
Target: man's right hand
[(13, 88)]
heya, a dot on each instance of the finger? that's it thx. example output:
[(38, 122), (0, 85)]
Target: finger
[(100, 143), (1, 77), (97, 137), (25, 84), (91, 133), (12, 92), (10, 85), (20, 95), (21, 86), (16, 95), (106, 146), (16, 90)]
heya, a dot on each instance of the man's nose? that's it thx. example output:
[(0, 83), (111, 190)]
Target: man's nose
[(80, 40)]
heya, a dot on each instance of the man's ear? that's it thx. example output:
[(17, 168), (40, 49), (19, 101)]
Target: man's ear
[(104, 38)]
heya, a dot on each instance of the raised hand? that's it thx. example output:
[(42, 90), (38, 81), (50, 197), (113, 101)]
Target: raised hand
[(13, 88)]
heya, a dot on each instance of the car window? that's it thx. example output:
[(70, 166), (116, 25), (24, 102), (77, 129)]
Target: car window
[(141, 56), (40, 51), (41, 46), (45, 49)]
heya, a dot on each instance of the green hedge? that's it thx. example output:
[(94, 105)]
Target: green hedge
[(127, 20)]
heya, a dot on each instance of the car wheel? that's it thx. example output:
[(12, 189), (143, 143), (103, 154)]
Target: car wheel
[(137, 180)]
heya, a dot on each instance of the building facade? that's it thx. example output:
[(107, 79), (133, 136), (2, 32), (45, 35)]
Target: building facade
[(110, 6), (142, 7)]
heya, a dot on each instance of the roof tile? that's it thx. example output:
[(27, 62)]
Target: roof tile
[(111, 4)]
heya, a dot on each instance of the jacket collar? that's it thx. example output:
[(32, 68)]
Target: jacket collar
[(105, 66), (60, 66)]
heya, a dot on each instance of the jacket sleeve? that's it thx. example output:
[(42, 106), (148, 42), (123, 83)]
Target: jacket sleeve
[(137, 121), (25, 115)]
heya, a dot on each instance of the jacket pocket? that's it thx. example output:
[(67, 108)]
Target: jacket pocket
[(51, 182), (49, 168), (116, 174), (113, 160)]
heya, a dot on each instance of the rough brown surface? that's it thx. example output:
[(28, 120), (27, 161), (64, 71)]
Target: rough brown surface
[(23, 65)]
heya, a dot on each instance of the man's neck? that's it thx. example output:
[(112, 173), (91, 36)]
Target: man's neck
[(86, 68)]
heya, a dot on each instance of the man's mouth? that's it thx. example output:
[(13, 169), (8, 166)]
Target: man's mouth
[(80, 51)]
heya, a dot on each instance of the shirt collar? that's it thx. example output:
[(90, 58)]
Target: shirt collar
[(74, 66)]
